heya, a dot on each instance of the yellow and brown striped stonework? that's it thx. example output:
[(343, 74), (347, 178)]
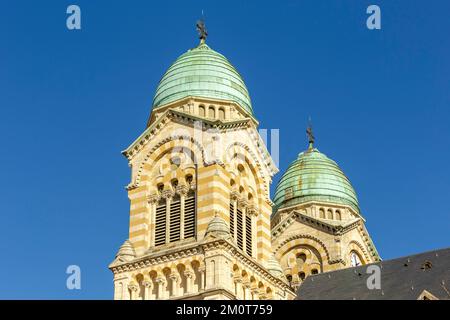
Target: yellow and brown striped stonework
[(188, 165), (201, 223)]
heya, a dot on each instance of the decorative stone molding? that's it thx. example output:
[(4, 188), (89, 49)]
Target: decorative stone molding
[(133, 287), (200, 154), (182, 190), (242, 203), (294, 215), (252, 210), (167, 194), (235, 194), (174, 277), (304, 236), (154, 198)]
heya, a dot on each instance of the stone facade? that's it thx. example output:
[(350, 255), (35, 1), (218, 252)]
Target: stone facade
[(201, 223)]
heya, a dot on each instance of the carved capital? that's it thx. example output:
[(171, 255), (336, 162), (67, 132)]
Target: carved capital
[(242, 203), (161, 280), (153, 198), (133, 287), (147, 283), (202, 268), (174, 277), (189, 274), (235, 195), (167, 194), (262, 296), (252, 210), (255, 291), (182, 190)]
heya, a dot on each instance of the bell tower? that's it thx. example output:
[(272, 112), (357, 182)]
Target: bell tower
[(199, 193), (317, 225)]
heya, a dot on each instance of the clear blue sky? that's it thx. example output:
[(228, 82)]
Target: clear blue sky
[(70, 101)]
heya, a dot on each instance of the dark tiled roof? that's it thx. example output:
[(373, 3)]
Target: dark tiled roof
[(402, 278)]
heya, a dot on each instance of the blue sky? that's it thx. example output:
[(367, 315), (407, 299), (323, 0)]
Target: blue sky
[(70, 101)]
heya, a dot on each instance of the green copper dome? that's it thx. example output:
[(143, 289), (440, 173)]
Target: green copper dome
[(202, 72), (314, 177)]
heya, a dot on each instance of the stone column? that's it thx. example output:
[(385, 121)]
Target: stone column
[(133, 287), (202, 282), (148, 284), (161, 282), (153, 201), (189, 274), (168, 194), (174, 279), (243, 205), (235, 198), (182, 190), (252, 211), (255, 293), (238, 287), (247, 293)]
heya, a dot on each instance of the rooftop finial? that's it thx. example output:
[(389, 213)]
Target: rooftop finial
[(309, 132), (201, 28)]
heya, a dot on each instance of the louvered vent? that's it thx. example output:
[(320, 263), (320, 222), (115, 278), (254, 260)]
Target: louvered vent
[(189, 216), (160, 227), (175, 215), (248, 235), (232, 219), (240, 232)]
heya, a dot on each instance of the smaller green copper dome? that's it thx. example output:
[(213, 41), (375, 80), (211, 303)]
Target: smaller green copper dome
[(202, 72), (314, 177)]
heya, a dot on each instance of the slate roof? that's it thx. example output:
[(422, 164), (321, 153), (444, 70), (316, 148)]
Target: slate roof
[(401, 279)]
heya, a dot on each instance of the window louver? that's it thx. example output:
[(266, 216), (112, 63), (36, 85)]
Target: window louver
[(175, 215), (160, 224), (189, 216), (248, 235), (232, 219), (240, 240)]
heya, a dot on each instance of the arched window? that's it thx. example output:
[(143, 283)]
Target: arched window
[(314, 271), (289, 278), (232, 219), (189, 215), (322, 213), (301, 259), (301, 276), (160, 223), (221, 114), (239, 227), (338, 215), (355, 259), (248, 235), (329, 214), (201, 111), (175, 216), (212, 112)]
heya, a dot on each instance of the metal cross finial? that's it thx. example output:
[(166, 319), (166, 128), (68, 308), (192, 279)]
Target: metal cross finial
[(201, 28), (309, 132)]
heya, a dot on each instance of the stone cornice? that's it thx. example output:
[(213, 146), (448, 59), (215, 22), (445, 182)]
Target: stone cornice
[(200, 248), (192, 99), (325, 226), (317, 203), (179, 117)]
